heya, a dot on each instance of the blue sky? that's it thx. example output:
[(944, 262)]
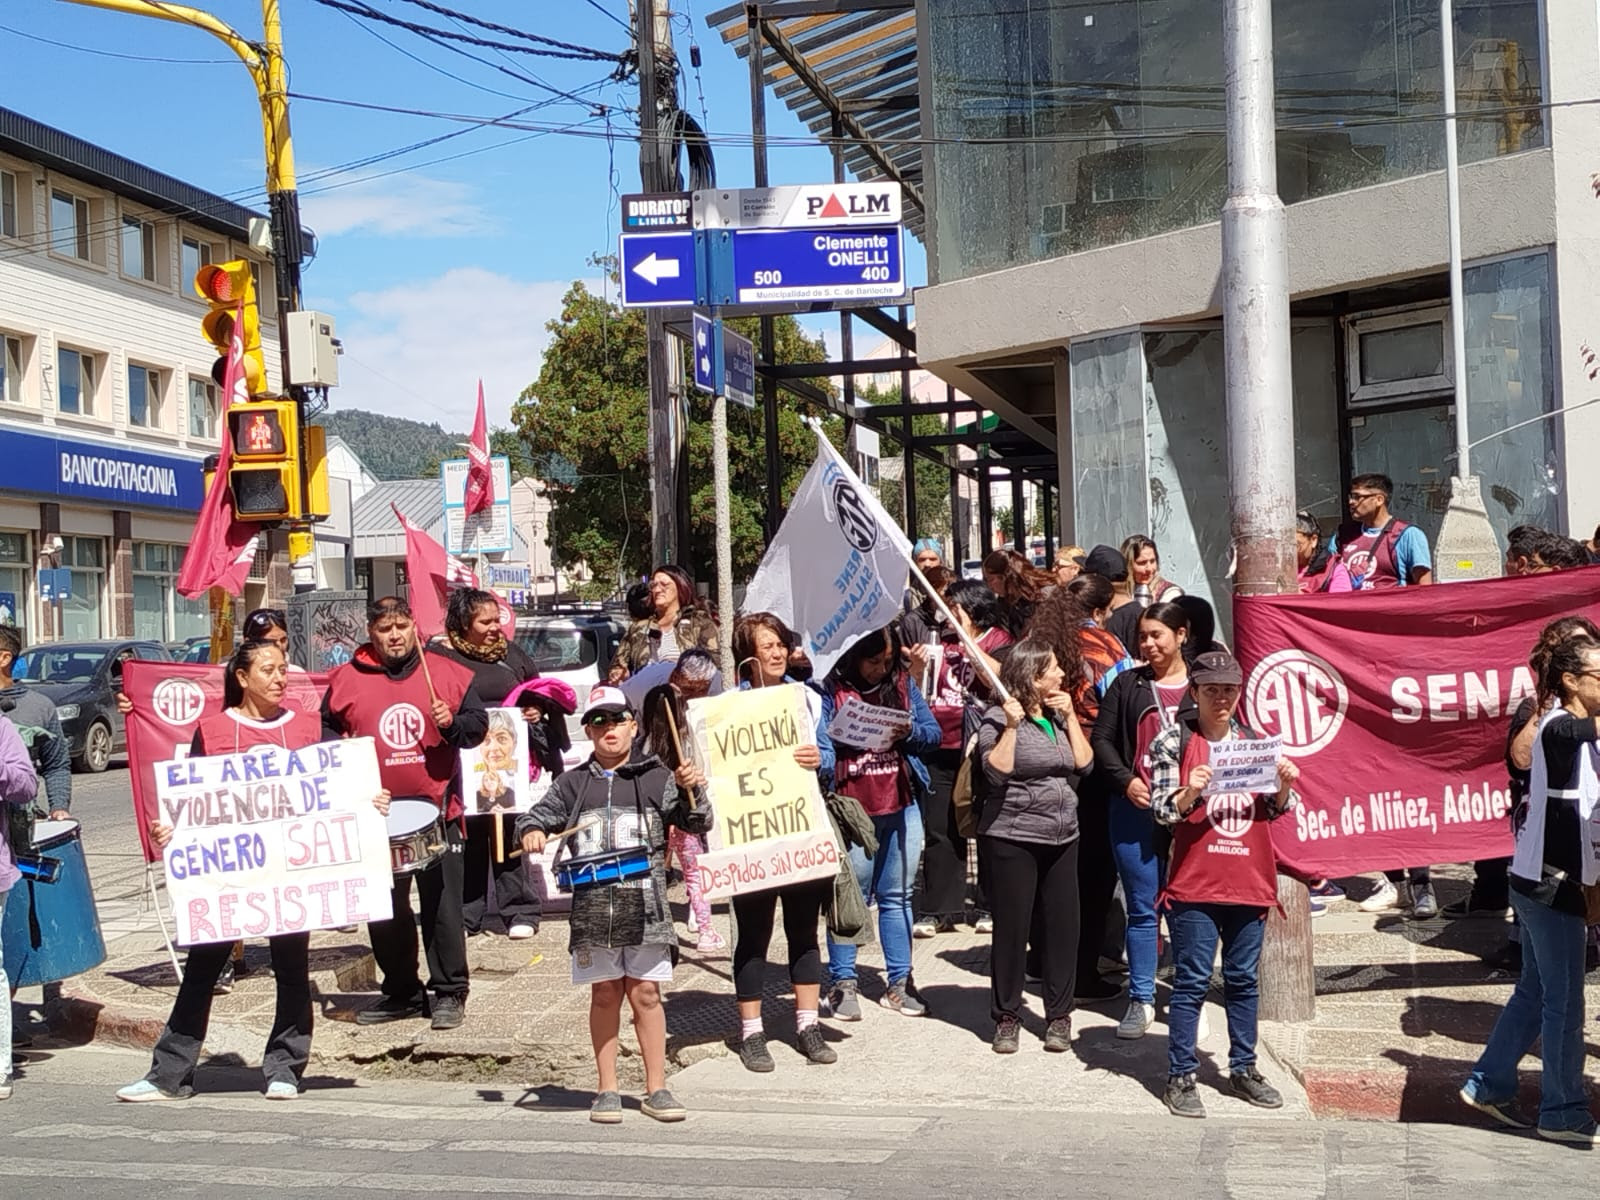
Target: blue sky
[(437, 271)]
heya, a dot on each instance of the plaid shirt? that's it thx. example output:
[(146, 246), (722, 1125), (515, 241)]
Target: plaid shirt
[(1166, 774)]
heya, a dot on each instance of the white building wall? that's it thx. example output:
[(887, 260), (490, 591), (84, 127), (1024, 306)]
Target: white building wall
[(50, 299)]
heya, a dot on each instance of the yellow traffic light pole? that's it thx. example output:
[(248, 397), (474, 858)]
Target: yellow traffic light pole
[(264, 60)]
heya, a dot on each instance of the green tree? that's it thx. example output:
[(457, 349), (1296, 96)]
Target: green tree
[(932, 480), (585, 426)]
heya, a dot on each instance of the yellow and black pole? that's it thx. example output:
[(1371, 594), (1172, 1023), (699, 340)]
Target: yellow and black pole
[(264, 60)]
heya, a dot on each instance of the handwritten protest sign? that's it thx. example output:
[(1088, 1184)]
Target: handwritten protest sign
[(857, 723), (273, 840), (1244, 766), (494, 774), (770, 827)]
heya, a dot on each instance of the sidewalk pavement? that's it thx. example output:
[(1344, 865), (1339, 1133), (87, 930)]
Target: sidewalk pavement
[(1402, 1008)]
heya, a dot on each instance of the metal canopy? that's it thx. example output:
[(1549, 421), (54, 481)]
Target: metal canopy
[(848, 70)]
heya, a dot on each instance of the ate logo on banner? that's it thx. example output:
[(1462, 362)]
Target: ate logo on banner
[(401, 726), (1298, 697), (178, 701), (855, 519), (1230, 813)]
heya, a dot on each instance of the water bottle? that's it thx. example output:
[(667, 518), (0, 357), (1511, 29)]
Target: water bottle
[(1142, 596)]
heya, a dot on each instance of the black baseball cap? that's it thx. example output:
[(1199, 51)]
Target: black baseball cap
[(1216, 666), (1107, 561)]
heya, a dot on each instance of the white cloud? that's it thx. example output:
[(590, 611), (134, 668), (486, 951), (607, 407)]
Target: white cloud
[(418, 349), (396, 204)]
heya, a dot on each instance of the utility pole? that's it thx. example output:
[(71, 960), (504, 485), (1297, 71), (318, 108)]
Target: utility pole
[(269, 73), (652, 31), (1260, 408)]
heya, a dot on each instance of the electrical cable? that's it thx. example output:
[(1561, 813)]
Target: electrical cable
[(442, 11), (148, 58), (366, 11)]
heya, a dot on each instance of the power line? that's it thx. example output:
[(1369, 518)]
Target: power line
[(366, 11), (442, 11), (609, 15), (196, 62)]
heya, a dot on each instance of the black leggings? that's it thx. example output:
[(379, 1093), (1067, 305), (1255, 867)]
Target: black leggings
[(1025, 877), (753, 912)]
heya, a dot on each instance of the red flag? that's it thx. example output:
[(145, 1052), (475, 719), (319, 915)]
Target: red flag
[(480, 475), (223, 547), (433, 574)]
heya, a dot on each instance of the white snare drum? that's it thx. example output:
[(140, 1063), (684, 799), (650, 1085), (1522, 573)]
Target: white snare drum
[(416, 835)]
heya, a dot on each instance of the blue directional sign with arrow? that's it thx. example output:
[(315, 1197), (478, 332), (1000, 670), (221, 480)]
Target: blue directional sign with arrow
[(657, 269), (738, 362)]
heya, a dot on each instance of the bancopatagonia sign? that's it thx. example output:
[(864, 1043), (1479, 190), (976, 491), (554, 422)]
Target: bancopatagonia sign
[(124, 476)]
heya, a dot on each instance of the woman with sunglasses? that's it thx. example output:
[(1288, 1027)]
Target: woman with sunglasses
[(762, 645), (474, 639), (675, 625), (253, 715)]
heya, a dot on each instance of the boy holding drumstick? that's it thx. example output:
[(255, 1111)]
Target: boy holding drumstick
[(616, 810)]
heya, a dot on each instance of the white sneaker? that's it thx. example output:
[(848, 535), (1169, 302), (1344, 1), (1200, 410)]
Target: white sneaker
[(1386, 897), (1139, 1017), (691, 923), (521, 932)]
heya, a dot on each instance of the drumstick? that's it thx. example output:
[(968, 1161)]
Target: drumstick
[(677, 744), (499, 838), (555, 837)]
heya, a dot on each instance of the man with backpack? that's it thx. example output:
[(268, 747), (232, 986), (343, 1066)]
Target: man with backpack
[(1377, 547)]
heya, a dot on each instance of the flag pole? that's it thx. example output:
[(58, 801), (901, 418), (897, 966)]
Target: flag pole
[(979, 659)]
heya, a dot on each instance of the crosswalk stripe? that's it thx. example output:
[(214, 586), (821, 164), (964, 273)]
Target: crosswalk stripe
[(283, 1178), (697, 1151), (216, 1137)]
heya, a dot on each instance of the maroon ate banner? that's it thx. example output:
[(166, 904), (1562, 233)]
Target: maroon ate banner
[(1396, 704), (168, 699)]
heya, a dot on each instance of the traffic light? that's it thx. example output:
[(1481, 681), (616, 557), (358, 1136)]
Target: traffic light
[(264, 439), (223, 286)]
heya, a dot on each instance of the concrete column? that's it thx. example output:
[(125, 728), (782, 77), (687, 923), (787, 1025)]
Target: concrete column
[(1067, 508), (1572, 72), (120, 573)]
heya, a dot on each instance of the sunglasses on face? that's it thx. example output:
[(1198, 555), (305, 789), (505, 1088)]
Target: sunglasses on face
[(264, 619), (603, 720)]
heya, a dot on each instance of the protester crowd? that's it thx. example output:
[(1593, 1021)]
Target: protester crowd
[(1058, 727)]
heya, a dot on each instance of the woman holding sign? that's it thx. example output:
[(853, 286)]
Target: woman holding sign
[(888, 781), (762, 645), (253, 715), (472, 629)]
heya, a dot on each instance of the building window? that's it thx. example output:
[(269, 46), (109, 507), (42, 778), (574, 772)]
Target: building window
[(363, 581), (69, 225), (8, 204), (14, 574), (195, 254), (138, 249), (144, 397), (159, 612), (1400, 355), (202, 409), (75, 380), (82, 615), (10, 369)]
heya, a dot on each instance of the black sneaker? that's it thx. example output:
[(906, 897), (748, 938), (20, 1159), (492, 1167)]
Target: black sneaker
[(1007, 1031), (1474, 905), (1181, 1097), (392, 1009), (449, 1012), (1249, 1085), (224, 983), (755, 1056), (1058, 1035), (814, 1046)]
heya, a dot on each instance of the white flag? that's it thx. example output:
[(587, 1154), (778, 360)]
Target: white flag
[(839, 566)]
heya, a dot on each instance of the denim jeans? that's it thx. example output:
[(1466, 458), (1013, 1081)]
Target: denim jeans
[(1547, 1005), (5, 1007), (1196, 929), (889, 876), (1134, 849)]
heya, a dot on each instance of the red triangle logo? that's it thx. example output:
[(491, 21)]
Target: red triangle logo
[(833, 208)]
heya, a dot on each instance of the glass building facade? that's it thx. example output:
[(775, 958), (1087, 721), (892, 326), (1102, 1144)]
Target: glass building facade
[(1060, 126)]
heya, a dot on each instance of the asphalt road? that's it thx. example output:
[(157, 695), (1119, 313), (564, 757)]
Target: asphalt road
[(66, 1137)]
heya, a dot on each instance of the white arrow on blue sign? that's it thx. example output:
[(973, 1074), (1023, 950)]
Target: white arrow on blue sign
[(657, 269), (738, 362)]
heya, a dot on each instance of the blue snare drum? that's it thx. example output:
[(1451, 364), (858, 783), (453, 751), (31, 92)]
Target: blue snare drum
[(51, 931), (608, 866)]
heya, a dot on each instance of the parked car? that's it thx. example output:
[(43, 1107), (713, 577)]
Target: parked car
[(575, 647), (83, 678), (191, 650)]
